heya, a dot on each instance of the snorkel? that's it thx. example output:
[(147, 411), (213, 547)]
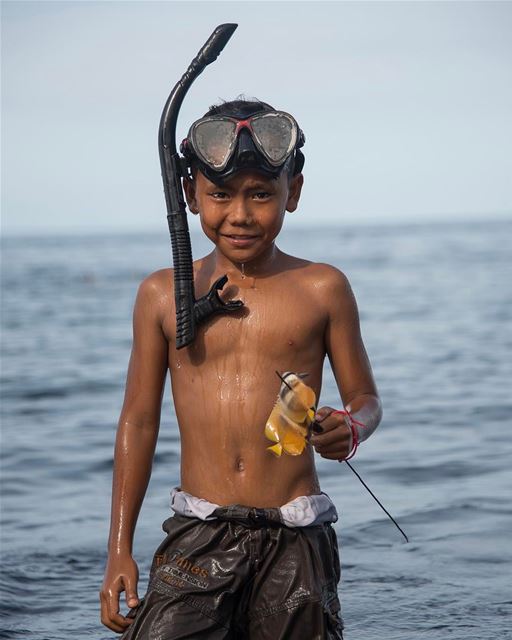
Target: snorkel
[(189, 311)]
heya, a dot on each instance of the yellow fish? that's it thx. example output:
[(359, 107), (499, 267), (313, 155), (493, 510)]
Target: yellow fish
[(292, 416)]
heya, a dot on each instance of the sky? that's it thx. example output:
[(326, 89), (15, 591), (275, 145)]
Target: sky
[(406, 106)]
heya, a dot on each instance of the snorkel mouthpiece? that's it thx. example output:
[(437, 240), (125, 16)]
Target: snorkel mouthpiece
[(189, 311)]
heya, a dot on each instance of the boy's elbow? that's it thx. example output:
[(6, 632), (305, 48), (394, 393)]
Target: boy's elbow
[(380, 411), (375, 409)]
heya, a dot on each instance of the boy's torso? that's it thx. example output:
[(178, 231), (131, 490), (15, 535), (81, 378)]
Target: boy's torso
[(224, 386)]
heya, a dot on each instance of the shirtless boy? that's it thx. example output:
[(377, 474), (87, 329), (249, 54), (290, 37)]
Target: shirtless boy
[(250, 551)]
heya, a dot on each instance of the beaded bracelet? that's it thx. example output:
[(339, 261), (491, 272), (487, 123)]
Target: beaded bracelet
[(351, 423)]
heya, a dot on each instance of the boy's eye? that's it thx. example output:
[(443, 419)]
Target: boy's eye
[(261, 195), (219, 195)]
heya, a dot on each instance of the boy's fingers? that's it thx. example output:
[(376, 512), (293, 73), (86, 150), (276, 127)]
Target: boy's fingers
[(334, 433), (333, 436), (110, 615), (323, 413), (334, 447), (337, 455), (328, 424), (117, 622)]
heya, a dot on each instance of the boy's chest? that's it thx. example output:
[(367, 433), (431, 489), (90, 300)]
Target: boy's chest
[(275, 320)]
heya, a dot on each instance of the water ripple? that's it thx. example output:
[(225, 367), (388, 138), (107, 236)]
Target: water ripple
[(435, 312)]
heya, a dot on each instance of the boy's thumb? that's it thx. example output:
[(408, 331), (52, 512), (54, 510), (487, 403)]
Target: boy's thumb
[(132, 599)]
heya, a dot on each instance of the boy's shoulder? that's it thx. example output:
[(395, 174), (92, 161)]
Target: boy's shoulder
[(156, 282), (156, 291), (323, 283), (329, 282), (325, 272), (318, 274)]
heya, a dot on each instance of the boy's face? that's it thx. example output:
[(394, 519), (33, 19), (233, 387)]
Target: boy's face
[(244, 215)]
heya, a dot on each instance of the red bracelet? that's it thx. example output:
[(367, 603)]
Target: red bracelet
[(355, 436)]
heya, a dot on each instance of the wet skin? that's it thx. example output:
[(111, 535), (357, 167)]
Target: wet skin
[(224, 386)]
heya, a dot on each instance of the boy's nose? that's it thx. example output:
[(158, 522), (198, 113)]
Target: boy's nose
[(239, 212)]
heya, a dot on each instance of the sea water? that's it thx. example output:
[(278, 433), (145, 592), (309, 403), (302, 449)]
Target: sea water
[(436, 315)]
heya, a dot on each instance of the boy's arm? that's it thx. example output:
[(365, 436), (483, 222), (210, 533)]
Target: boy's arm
[(135, 445), (352, 371)]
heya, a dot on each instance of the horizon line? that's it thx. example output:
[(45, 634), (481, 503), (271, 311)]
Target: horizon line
[(494, 217)]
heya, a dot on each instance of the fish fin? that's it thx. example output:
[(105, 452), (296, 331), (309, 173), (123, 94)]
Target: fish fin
[(271, 432), (276, 449), (294, 448), (294, 443)]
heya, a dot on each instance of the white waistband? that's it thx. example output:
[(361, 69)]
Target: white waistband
[(303, 511)]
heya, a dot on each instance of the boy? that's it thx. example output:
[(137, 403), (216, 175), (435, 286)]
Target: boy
[(250, 551)]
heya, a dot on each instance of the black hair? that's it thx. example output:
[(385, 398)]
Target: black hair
[(241, 106)]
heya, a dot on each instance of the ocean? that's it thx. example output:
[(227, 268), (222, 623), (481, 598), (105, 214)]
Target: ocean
[(435, 302)]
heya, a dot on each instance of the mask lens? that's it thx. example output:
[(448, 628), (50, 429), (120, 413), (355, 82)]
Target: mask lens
[(276, 133), (213, 141)]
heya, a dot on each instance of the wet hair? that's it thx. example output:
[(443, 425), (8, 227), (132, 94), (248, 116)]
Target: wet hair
[(242, 107)]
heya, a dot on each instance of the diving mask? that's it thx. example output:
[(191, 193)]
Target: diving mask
[(265, 141)]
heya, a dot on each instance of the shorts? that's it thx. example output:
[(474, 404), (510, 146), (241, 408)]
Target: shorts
[(242, 575)]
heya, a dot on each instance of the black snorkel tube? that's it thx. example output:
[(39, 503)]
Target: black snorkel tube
[(189, 311)]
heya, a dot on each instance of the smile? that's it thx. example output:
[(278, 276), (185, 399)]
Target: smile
[(240, 240)]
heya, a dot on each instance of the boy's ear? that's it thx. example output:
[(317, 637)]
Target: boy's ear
[(189, 187), (294, 190)]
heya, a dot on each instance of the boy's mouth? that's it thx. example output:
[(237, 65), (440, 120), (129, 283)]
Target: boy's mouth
[(240, 239)]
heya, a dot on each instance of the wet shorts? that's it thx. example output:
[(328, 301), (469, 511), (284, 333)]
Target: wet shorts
[(242, 575)]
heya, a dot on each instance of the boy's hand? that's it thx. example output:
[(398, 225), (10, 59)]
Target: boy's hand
[(121, 574), (335, 442)]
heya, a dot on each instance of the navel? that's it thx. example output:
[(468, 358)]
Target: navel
[(240, 464)]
